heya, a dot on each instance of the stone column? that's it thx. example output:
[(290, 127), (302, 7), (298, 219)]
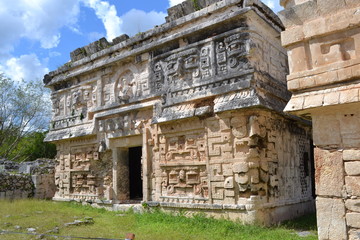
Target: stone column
[(323, 42)]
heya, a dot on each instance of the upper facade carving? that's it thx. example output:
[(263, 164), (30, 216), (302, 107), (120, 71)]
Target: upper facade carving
[(323, 39), (212, 60)]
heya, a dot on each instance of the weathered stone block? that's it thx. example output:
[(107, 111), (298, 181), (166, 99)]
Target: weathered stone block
[(314, 27), (321, 126), (354, 234), (307, 82), (352, 168), (313, 101), (328, 182), (353, 219), (345, 73), (331, 219), (353, 186), (325, 7), (331, 98), (351, 155), (326, 78), (240, 167), (349, 96), (353, 205)]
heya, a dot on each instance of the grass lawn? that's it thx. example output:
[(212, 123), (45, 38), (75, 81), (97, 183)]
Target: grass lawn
[(18, 216)]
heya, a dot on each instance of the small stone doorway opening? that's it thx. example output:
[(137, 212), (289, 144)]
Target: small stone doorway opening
[(135, 173)]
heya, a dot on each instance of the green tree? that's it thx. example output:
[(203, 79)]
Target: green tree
[(32, 147), (24, 116)]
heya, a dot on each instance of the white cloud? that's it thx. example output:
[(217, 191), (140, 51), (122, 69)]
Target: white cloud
[(175, 2), (26, 67), (136, 21), (38, 20), (271, 4), (108, 14)]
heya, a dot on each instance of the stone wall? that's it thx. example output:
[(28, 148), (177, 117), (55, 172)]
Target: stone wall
[(322, 38), (186, 115), (28, 179), (15, 186)]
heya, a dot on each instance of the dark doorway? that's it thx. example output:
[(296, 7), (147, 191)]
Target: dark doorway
[(135, 173), (312, 168)]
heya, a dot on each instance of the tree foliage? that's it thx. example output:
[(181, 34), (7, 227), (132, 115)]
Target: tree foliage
[(24, 116)]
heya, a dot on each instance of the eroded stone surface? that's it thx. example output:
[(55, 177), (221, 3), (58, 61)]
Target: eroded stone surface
[(354, 234), (328, 181), (353, 220), (353, 205), (331, 219), (353, 185), (352, 168)]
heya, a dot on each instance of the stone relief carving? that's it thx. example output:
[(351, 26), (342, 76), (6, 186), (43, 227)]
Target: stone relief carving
[(336, 50), (186, 74), (182, 149), (221, 58), (80, 174), (128, 124), (125, 87), (184, 182)]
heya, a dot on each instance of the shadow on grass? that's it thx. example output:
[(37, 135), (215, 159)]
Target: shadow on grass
[(304, 223)]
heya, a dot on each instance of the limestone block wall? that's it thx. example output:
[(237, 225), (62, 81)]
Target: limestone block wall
[(322, 38), (34, 179), (337, 172)]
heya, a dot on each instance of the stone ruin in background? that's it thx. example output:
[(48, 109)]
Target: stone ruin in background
[(27, 179), (186, 116)]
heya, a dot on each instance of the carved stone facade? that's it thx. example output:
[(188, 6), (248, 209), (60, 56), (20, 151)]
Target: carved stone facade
[(185, 116), (323, 42)]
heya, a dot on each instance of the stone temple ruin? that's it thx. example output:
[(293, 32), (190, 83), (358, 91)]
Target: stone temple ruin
[(188, 115)]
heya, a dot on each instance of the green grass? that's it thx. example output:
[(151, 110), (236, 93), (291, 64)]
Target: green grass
[(46, 215)]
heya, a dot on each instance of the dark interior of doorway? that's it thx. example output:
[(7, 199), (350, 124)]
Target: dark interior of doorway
[(136, 191)]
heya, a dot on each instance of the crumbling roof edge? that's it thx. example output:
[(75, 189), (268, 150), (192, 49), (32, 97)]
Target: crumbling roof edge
[(246, 5)]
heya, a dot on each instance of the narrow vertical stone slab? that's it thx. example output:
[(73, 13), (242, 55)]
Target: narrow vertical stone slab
[(331, 219)]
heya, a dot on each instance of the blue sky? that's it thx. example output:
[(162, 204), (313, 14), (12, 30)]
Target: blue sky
[(37, 36)]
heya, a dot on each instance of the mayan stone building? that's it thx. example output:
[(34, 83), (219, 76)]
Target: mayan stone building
[(187, 115), (323, 42)]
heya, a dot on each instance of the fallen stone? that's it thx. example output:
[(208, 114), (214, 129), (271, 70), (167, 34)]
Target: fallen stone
[(31, 229), (304, 233), (42, 236), (54, 230)]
